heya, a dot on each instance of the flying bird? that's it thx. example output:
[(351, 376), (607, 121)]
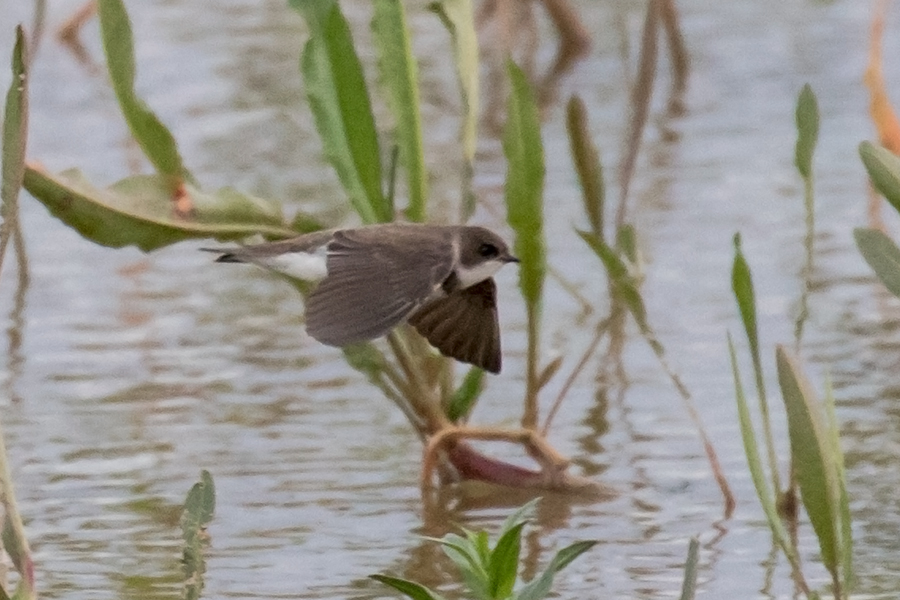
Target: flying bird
[(438, 278)]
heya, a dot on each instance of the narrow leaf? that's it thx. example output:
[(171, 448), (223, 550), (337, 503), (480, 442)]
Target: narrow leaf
[(807, 115), (14, 137), (754, 462), (399, 75), (587, 163), (525, 184), (689, 584), (618, 273), (813, 460), (882, 255), (153, 137), (339, 99), (742, 286), (539, 587), (408, 588), (15, 126), (564, 557), (463, 553), (466, 394), (844, 518), (139, 211), (523, 514), (504, 562), (884, 170)]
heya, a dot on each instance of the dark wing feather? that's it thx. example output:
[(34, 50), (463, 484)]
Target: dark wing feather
[(463, 325), (371, 287)]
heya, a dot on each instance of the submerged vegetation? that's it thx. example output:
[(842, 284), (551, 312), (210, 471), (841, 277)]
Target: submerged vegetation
[(170, 206)]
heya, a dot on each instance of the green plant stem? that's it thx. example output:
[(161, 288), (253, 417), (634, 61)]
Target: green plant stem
[(419, 397), (766, 423), (14, 530), (803, 315), (532, 385)]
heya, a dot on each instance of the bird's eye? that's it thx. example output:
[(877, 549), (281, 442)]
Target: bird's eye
[(488, 250)]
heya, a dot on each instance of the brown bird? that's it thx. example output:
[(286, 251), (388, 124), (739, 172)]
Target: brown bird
[(439, 278)]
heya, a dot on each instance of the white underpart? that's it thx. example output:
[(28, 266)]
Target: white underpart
[(469, 276), (302, 265)]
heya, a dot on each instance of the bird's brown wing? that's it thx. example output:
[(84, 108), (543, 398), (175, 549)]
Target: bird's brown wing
[(463, 325), (372, 286)]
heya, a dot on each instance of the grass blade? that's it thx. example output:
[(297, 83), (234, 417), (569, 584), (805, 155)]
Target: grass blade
[(399, 74), (524, 210), (154, 138), (742, 286), (408, 588), (639, 102), (539, 587), (14, 136), (623, 283), (466, 395), (339, 99), (882, 255), (689, 585), (844, 518), (15, 126), (754, 462), (587, 163)]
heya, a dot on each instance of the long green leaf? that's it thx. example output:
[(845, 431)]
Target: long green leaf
[(539, 587), (587, 163), (138, 211), (14, 138), (624, 282), (807, 116), (466, 395), (844, 517), (339, 99), (399, 74), (15, 126), (525, 184), (153, 137), (813, 456), (882, 255), (883, 167), (523, 514), (742, 286), (409, 588), (504, 562), (754, 462)]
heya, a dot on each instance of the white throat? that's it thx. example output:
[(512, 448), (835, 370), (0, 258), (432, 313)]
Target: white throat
[(469, 276)]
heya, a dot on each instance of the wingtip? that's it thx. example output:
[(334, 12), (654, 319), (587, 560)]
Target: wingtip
[(225, 255)]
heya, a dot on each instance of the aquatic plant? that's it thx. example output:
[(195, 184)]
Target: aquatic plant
[(490, 572), (817, 462)]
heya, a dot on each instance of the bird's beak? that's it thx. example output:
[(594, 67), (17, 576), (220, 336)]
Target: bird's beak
[(510, 258)]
